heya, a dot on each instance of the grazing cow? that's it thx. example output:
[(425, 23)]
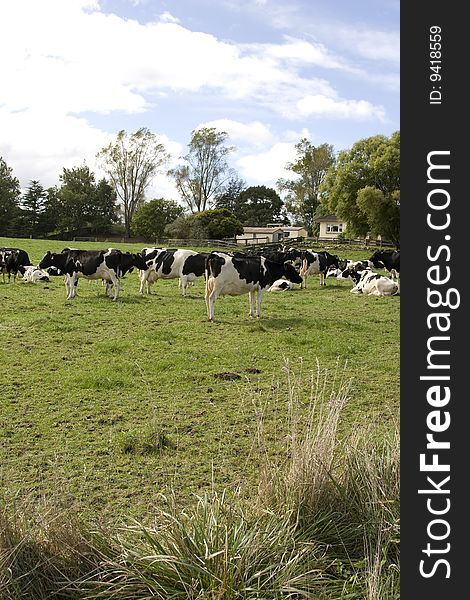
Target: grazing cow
[(281, 285), (32, 274), (187, 265), (233, 276), (317, 262), (374, 284), (109, 265), (11, 259), (387, 259)]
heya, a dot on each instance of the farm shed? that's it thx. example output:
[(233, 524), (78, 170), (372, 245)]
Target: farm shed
[(266, 235)]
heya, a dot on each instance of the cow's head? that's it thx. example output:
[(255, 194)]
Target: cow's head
[(376, 260), (139, 262), (291, 273), (46, 261)]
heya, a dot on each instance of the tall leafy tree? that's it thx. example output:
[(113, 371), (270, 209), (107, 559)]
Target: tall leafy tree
[(151, 218), (303, 193), (229, 195), (103, 208), (259, 205), (363, 187), (205, 171), (33, 204), (49, 218), (9, 198), (131, 162), (83, 203), (75, 196)]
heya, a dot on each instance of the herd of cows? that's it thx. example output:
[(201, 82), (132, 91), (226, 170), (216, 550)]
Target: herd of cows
[(226, 273)]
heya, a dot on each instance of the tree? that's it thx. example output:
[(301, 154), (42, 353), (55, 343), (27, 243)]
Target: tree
[(151, 218), (206, 169), (363, 187), (50, 217), (9, 198), (259, 205), (84, 204), (229, 195), (33, 204), (303, 194), (382, 212), (131, 163), (218, 223), (102, 208)]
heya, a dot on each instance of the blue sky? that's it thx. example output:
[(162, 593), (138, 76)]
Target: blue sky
[(268, 72)]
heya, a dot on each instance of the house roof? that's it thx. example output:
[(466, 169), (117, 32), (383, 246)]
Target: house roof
[(271, 229), (261, 229), (331, 218)]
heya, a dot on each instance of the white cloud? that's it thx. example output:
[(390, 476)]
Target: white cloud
[(253, 134), (322, 106), (260, 167), (67, 60)]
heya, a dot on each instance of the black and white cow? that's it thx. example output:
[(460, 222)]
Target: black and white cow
[(232, 276), (281, 285), (109, 265), (32, 274), (387, 259), (352, 271), (186, 265), (317, 262), (11, 259), (374, 284)]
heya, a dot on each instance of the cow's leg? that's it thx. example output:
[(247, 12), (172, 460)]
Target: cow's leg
[(258, 306), (210, 298), (183, 284), (211, 305), (117, 285), (251, 299), (143, 276), (71, 282)]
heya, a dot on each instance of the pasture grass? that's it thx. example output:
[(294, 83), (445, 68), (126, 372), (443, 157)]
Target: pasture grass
[(324, 524), (84, 379)]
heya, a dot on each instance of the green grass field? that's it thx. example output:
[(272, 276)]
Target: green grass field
[(106, 404)]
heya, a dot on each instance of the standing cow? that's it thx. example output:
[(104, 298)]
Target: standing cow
[(232, 276), (109, 265), (11, 259), (317, 262), (185, 265)]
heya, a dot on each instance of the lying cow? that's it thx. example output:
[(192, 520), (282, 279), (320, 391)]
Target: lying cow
[(186, 265), (232, 276), (32, 274), (109, 265), (374, 284), (281, 285)]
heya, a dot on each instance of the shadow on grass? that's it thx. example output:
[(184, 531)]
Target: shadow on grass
[(263, 324)]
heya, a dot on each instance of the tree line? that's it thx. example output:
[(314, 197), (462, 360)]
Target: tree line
[(360, 186)]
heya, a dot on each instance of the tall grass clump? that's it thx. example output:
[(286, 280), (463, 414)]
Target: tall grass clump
[(212, 550), (344, 493), (41, 550)]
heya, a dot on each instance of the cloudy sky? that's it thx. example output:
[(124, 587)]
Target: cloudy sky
[(268, 72)]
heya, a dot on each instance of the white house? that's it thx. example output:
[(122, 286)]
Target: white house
[(330, 227), (266, 235)]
